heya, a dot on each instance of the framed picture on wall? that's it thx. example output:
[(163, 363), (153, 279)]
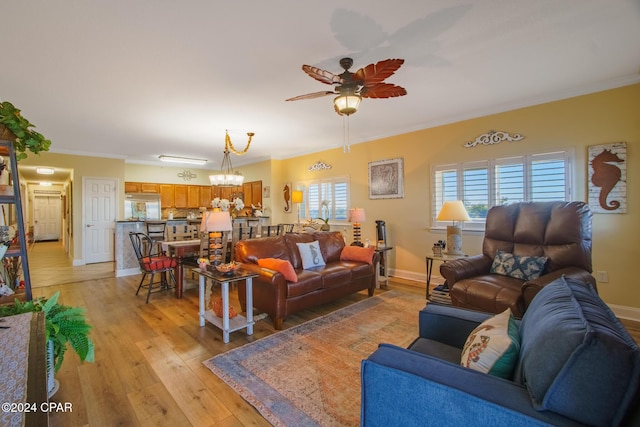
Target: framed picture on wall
[(386, 179)]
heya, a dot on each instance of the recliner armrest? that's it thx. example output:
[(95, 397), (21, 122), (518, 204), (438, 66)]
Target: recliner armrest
[(428, 391), (463, 268), (447, 324), (531, 288)]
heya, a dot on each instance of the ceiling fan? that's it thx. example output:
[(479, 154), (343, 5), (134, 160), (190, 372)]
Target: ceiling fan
[(367, 82)]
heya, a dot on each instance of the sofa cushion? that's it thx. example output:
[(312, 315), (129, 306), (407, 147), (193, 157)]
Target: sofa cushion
[(331, 244), (576, 358), (281, 265), (493, 347), (335, 275), (311, 255), (520, 267), (291, 240), (308, 281), (357, 253)]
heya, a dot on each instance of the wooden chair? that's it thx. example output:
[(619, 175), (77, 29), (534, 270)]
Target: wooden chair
[(152, 263), (156, 232)]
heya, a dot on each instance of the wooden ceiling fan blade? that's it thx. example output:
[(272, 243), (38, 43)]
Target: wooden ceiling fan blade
[(322, 75), (382, 90), (311, 95), (373, 74)]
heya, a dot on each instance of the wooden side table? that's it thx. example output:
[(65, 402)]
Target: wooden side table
[(225, 324), (442, 258)]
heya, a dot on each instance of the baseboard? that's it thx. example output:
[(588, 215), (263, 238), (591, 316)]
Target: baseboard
[(624, 312), (78, 262), (621, 311), (128, 272)]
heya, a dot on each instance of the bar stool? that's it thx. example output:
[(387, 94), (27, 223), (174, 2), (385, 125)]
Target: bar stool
[(156, 233)]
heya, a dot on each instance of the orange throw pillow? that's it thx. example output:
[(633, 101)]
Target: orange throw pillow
[(280, 265), (216, 306), (357, 253)]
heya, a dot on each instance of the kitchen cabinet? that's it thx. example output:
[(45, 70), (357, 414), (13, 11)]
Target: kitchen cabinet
[(205, 196), (252, 193), (167, 195), (193, 196), (131, 187), (147, 187), (180, 196)]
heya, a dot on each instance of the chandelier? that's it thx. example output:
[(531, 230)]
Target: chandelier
[(227, 176)]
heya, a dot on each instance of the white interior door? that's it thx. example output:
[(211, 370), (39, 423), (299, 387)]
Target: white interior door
[(99, 219), (46, 218)]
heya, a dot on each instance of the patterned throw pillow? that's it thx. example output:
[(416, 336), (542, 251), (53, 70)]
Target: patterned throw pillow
[(311, 255), (493, 347), (520, 267)]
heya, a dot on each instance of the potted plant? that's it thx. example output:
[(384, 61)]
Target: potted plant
[(64, 326), (325, 212), (16, 128)]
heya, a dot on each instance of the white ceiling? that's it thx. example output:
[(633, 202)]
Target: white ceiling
[(136, 79)]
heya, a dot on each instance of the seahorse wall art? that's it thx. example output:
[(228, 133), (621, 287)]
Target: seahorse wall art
[(608, 178), (286, 194)]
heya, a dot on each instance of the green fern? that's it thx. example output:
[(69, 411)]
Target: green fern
[(64, 326)]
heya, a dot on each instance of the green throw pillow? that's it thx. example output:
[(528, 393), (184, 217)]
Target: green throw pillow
[(520, 267), (493, 346)]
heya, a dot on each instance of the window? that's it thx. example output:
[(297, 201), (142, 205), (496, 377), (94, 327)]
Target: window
[(334, 190), (484, 184)]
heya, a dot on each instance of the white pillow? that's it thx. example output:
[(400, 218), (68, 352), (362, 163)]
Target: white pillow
[(311, 255), (493, 346)]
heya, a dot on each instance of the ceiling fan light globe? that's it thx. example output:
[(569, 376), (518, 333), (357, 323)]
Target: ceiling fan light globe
[(347, 104)]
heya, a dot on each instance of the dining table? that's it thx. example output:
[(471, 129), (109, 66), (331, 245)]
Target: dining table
[(181, 249)]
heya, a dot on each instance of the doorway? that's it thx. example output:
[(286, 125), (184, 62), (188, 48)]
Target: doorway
[(46, 217), (99, 201)]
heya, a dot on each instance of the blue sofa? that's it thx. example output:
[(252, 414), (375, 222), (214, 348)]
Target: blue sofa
[(577, 365)]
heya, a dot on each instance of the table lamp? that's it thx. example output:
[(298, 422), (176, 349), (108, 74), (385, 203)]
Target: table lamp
[(296, 197), (453, 210), (213, 224), (356, 216)]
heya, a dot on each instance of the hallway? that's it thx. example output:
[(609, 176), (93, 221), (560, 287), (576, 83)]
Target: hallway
[(49, 265)]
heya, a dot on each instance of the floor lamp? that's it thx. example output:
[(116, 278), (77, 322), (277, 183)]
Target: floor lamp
[(356, 216), (453, 210), (214, 224), (296, 197)]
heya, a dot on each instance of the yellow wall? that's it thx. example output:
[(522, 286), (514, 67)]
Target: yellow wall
[(599, 118)]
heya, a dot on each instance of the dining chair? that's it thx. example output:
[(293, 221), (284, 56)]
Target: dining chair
[(152, 263), (156, 231)]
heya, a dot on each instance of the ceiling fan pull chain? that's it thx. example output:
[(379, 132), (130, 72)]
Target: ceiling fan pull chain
[(229, 145), (346, 144)]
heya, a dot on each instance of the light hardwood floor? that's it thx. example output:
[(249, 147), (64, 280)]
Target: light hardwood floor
[(148, 368)]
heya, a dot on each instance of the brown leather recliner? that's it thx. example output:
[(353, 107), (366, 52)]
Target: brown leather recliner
[(560, 231)]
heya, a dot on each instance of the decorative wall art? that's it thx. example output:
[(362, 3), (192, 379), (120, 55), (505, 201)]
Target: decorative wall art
[(319, 166), (266, 192), (286, 194), (493, 137), (386, 179), (187, 175), (608, 178)]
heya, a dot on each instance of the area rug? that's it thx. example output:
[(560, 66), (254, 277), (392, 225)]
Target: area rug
[(310, 374)]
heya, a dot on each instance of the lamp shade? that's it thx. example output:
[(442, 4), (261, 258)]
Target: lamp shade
[(296, 196), (347, 104), (216, 221), (453, 210), (357, 215)]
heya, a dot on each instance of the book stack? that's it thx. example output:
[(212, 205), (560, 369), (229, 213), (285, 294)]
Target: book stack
[(440, 295)]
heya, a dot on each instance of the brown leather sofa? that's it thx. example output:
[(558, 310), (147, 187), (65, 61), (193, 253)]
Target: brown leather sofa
[(278, 297), (560, 231)]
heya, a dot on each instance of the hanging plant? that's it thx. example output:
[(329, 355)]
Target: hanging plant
[(26, 139)]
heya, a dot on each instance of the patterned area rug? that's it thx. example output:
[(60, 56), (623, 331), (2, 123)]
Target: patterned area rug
[(310, 374)]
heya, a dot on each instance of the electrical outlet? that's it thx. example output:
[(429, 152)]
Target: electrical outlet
[(602, 276)]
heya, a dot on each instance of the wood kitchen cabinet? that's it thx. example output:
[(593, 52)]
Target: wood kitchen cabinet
[(147, 187), (252, 193), (131, 187), (167, 195), (180, 196), (205, 196), (193, 196)]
